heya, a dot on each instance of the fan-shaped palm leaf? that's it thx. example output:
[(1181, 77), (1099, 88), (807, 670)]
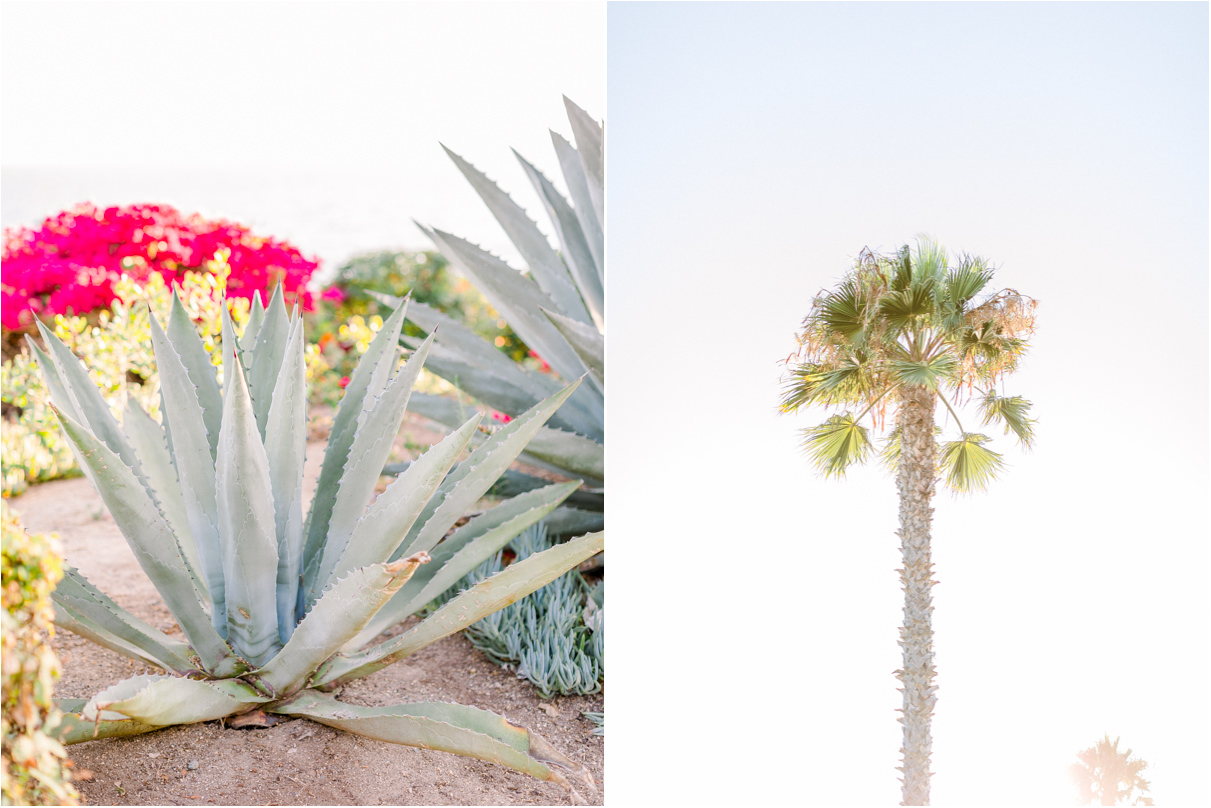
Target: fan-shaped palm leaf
[(969, 466)]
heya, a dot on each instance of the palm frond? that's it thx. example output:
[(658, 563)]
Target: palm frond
[(902, 273), (1011, 413), (900, 309), (892, 446), (930, 265), (967, 464), (821, 384), (967, 280), (837, 444), (844, 311), (928, 373)]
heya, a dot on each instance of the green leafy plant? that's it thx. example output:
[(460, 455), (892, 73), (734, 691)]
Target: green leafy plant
[(425, 277), (558, 310), (554, 637), (279, 611), (33, 763), (899, 334)]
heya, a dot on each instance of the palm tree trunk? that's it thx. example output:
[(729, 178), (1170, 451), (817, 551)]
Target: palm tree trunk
[(915, 483)]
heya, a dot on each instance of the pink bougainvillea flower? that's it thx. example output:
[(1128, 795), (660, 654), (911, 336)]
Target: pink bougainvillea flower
[(69, 264), (334, 294), (344, 382), (543, 366), (502, 417)]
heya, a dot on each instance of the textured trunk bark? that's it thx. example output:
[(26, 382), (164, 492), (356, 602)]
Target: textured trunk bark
[(915, 483)]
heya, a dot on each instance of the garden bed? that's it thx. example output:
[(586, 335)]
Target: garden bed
[(296, 762)]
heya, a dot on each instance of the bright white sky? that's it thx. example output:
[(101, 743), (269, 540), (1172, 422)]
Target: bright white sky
[(754, 150), (282, 115)]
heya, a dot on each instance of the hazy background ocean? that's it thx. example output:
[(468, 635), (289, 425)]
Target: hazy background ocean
[(326, 214)]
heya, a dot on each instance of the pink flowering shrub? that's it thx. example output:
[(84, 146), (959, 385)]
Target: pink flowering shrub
[(69, 265)]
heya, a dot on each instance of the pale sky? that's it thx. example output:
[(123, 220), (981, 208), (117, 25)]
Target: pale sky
[(315, 122), (754, 150)]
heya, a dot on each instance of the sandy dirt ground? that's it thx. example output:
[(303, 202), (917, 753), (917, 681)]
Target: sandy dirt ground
[(297, 762)]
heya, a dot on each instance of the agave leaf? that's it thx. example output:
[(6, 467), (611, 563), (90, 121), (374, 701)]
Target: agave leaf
[(475, 475), (590, 145), (476, 541), (54, 384), (470, 346), (445, 727), (341, 612), (379, 533), (183, 335), (572, 241), (256, 316), (151, 447), (84, 601), (74, 728), (168, 700), (285, 450), (385, 346), (515, 582), (481, 382), (247, 529), (264, 358), (462, 345), (555, 450), (546, 267), (463, 551), (154, 545), (83, 400), (578, 188), (77, 623), (195, 467), (517, 299), (583, 413), (573, 453), (466, 359), (376, 429), (571, 521), (588, 343)]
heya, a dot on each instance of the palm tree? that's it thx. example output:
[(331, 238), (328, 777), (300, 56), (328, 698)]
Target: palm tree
[(1107, 775), (899, 334)]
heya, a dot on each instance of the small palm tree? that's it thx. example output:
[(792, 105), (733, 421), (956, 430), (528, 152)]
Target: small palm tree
[(899, 334), (1107, 775)]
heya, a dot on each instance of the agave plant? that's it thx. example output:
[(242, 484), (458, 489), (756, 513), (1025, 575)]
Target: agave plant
[(559, 311), (277, 611)]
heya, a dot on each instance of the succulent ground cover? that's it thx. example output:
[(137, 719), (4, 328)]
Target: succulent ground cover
[(278, 611)]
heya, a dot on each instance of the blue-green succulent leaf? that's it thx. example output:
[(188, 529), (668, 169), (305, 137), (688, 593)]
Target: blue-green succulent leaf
[(247, 530)]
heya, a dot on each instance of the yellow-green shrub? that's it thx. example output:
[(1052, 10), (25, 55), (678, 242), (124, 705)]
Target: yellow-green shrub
[(32, 761), (116, 347)]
